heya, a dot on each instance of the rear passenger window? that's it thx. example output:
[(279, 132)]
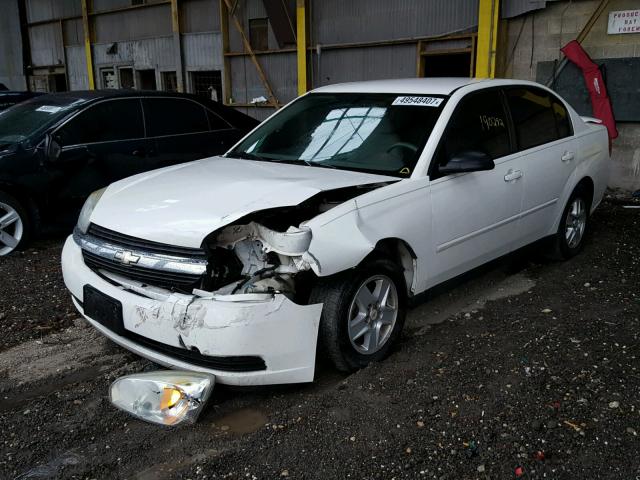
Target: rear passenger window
[(478, 124), (215, 122), (533, 117), (563, 121), (174, 116), (104, 122)]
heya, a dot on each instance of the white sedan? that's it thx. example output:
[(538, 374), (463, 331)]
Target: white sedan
[(311, 233)]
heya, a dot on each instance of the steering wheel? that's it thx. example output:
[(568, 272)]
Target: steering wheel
[(407, 145)]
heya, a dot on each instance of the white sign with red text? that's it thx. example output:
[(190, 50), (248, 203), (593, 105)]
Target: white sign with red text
[(624, 21)]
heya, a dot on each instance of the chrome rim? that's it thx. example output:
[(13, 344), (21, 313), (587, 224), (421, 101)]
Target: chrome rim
[(575, 223), (11, 229), (373, 314)]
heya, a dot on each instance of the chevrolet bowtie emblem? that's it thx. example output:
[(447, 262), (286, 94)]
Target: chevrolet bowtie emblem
[(126, 257)]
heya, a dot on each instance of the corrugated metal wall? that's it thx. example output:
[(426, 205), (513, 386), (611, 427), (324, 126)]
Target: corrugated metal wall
[(202, 51), (158, 53), (339, 21), (42, 10), (77, 68), (199, 16), (11, 71), (133, 24), (46, 45), (513, 8)]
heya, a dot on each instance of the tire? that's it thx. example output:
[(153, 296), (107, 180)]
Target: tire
[(338, 336), (16, 227), (574, 224)]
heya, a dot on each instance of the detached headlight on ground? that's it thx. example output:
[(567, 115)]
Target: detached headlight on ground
[(87, 209), (166, 397)]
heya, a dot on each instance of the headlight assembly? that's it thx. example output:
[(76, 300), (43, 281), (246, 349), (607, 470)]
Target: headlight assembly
[(85, 214)]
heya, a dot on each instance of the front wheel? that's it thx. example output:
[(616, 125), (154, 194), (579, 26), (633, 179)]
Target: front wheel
[(363, 313), (14, 224), (572, 230)]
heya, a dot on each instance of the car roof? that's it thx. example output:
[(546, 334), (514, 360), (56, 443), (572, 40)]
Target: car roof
[(417, 86), (90, 95)]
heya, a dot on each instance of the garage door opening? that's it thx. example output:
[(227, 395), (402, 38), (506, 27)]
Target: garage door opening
[(450, 57)]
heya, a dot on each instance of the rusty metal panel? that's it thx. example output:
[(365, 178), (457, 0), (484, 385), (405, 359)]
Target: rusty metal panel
[(73, 34), (42, 10), (371, 63), (246, 10), (337, 21), (280, 70), (133, 24), (157, 53), (11, 73), (202, 51), (46, 45), (199, 16), (513, 8), (77, 68)]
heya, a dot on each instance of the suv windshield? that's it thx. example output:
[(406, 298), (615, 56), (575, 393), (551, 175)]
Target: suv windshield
[(377, 133), (27, 118)]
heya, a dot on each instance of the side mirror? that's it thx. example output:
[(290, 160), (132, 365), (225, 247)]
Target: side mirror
[(52, 148), (467, 161)]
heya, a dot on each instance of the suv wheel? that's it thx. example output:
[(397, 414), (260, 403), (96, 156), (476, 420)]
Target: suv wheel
[(363, 313), (14, 223)]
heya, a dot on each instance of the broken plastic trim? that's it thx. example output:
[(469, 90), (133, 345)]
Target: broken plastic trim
[(293, 242)]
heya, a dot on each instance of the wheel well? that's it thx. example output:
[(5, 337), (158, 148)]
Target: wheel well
[(400, 252), (587, 185)]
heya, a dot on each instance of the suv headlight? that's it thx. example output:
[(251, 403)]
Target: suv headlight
[(85, 214)]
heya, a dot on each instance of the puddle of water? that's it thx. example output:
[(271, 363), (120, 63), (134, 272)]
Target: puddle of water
[(241, 422)]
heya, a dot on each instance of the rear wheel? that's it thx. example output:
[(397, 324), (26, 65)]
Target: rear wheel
[(14, 224), (363, 313), (572, 230)]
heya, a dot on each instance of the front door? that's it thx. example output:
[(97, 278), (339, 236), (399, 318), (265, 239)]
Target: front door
[(100, 145), (475, 214)]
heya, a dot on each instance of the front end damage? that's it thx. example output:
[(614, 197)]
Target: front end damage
[(236, 308)]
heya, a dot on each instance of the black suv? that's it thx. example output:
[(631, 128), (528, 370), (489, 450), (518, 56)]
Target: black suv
[(9, 99), (56, 149)]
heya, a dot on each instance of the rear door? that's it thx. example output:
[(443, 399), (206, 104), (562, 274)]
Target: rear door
[(100, 145), (182, 130), (544, 138), (475, 214)]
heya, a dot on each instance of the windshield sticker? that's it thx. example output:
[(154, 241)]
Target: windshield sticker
[(48, 109), (421, 101)]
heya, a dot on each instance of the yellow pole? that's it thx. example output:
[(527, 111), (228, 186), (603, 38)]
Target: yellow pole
[(177, 42), (87, 43), (488, 18), (301, 42)]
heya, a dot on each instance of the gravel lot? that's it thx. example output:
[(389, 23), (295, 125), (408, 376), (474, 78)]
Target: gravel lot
[(525, 368)]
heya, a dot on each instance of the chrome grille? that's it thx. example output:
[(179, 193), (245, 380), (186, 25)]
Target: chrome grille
[(175, 268)]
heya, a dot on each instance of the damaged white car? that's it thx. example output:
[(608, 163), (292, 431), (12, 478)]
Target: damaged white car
[(318, 226)]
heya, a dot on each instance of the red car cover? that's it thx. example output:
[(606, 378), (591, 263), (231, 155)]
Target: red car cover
[(595, 84)]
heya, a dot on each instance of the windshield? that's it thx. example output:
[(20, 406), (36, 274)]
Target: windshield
[(377, 133), (27, 118)]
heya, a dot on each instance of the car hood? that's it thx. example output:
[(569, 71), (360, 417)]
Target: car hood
[(181, 205)]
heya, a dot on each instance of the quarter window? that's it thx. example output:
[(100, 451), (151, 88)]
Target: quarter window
[(173, 116), (478, 124), (533, 117), (104, 122)]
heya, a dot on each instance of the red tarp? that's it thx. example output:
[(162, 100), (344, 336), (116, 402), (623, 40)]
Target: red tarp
[(595, 84)]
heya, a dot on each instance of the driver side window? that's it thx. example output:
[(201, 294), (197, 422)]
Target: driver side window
[(478, 124)]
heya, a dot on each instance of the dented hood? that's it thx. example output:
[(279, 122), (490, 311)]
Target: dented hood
[(181, 205)]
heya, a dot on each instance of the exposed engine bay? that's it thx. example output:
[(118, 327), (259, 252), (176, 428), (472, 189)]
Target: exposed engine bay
[(262, 252)]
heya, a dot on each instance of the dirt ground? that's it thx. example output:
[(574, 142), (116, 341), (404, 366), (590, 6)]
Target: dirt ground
[(524, 369)]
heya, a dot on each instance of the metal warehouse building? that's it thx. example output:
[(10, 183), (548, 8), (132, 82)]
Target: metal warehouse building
[(259, 54)]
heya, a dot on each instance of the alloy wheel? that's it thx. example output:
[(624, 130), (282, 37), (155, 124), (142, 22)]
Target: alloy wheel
[(11, 229), (575, 223), (373, 314)]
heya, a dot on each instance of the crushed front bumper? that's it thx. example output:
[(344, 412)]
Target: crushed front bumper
[(251, 339)]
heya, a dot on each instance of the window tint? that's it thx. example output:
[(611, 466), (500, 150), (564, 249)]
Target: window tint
[(215, 122), (478, 124), (533, 117), (563, 121), (104, 122), (173, 116)]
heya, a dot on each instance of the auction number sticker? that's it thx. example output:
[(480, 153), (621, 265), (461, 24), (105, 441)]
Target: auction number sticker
[(421, 101), (48, 109)]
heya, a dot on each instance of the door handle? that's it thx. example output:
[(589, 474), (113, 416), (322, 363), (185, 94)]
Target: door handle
[(513, 175), (567, 156), (138, 152)]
